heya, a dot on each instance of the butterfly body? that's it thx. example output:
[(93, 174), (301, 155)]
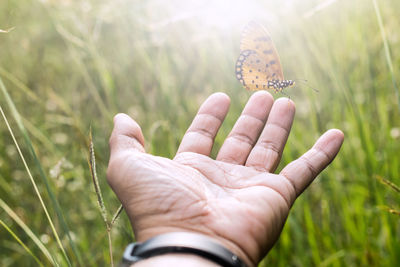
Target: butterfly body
[(258, 66)]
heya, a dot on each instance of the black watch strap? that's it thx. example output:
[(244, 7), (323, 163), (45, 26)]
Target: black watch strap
[(181, 242)]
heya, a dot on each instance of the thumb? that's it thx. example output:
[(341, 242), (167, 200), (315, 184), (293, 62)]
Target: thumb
[(126, 135)]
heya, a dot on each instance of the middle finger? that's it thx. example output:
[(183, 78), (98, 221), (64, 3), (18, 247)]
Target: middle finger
[(248, 127)]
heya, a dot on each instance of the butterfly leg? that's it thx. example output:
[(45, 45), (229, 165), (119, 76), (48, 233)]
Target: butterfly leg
[(283, 92)]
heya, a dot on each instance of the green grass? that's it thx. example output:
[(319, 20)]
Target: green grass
[(71, 65)]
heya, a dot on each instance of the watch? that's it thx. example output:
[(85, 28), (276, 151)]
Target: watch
[(181, 242)]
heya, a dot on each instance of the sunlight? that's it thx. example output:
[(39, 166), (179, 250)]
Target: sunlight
[(221, 14)]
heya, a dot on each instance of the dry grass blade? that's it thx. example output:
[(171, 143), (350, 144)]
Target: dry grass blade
[(389, 209), (393, 211), (388, 183), (116, 215), (7, 31), (92, 165)]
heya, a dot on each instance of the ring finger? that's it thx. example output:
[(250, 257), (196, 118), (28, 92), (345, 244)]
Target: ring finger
[(267, 152)]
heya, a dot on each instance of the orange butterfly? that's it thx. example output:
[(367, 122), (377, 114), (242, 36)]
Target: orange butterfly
[(258, 66)]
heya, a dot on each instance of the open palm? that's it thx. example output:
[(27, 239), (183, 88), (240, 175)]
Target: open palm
[(235, 198)]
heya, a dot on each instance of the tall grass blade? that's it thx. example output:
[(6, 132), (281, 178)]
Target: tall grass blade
[(18, 120), (318, 8), (20, 242), (39, 136), (387, 51), (20, 85), (91, 86), (28, 231), (77, 124)]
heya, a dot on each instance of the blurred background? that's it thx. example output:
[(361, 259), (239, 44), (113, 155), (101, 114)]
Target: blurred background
[(67, 66)]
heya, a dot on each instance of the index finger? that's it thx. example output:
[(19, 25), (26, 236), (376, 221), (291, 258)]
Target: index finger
[(199, 138)]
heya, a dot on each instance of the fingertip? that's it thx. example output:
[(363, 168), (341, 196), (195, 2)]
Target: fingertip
[(122, 119), (263, 93), (331, 141), (124, 125), (263, 96), (221, 97), (119, 117), (333, 134), (216, 105), (287, 101), (337, 133), (283, 110)]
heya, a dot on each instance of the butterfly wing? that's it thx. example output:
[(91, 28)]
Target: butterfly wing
[(252, 71), (255, 37)]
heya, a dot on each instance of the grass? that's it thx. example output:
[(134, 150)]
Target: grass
[(100, 201), (67, 66)]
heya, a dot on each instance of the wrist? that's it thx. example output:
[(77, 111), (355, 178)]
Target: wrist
[(146, 234), (185, 243)]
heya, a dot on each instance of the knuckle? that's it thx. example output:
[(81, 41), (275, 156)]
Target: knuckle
[(271, 146), (243, 138)]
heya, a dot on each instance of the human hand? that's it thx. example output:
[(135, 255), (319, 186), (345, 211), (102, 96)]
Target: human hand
[(236, 198)]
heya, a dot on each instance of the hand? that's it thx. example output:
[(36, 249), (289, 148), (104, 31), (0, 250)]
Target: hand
[(236, 198)]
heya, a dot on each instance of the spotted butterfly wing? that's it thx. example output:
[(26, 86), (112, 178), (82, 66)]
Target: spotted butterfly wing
[(251, 71), (258, 66)]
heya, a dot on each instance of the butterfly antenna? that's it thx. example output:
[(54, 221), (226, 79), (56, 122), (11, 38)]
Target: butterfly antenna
[(305, 82)]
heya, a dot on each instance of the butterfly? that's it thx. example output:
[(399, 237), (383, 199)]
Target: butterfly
[(258, 66)]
